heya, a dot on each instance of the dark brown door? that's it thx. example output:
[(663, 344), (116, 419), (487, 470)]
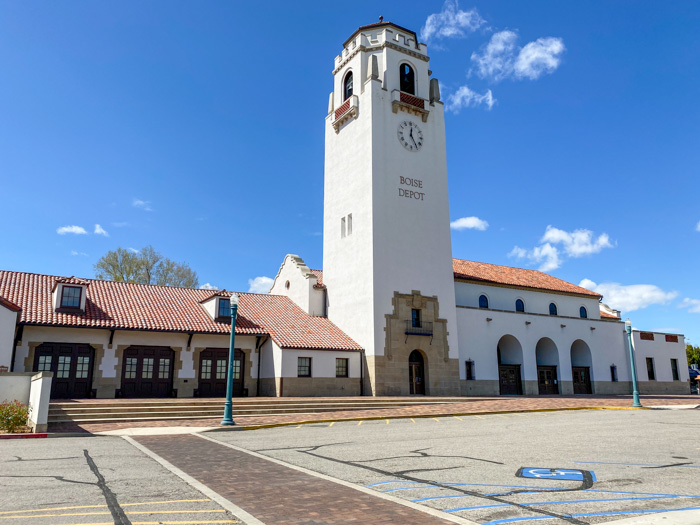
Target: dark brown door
[(416, 371), (213, 366), (582, 379), (147, 371), (509, 379), (71, 365), (547, 380)]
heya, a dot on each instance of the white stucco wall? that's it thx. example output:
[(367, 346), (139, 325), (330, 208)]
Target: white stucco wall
[(479, 338), (8, 322), (502, 298), (322, 362), (661, 352), (295, 280), (397, 244)]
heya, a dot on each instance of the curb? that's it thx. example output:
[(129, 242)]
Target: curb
[(22, 436), (421, 416)]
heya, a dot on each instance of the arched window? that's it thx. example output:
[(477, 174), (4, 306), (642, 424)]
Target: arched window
[(347, 86), (552, 309), (583, 312), (483, 301), (519, 305), (407, 79)]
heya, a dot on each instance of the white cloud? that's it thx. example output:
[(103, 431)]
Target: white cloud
[(578, 242), (629, 297), (134, 250), (260, 284), (73, 252), (465, 98), (78, 230), (697, 226), (573, 244), (469, 223), (501, 58), (693, 305), (120, 224), (99, 230), (207, 286), (539, 57), (451, 22), (144, 205)]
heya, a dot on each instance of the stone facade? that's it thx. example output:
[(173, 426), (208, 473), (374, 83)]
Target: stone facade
[(320, 386)]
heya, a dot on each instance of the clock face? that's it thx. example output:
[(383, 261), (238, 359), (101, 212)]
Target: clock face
[(410, 135)]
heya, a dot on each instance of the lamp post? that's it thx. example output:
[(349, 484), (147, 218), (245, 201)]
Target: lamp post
[(228, 406), (635, 393)]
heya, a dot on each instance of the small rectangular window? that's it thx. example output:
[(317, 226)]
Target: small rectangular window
[(63, 370), (164, 368), (613, 373), (671, 338), (147, 368), (304, 367), (130, 372), (236, 374), (415, 318), (206, 369), (470, 370), (224, 308), (342, 228), (70, 296), (83, 367), (221, 366), (349, 223), (341, 367), (650, 369), (646, 336), (674, 369), (44, 363)]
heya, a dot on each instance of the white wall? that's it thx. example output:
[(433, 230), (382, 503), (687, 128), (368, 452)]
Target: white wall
[(8, 322), (479, 338), (502, 298), (295, 280), (322, 362), (15, 386), (661, 352)]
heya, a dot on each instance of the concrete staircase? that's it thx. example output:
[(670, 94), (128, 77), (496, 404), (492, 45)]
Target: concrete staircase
[(112, 411)]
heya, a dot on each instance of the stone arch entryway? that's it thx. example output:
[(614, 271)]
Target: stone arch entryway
[(416, 372), (547, 356), (581, 367), (510, 361)]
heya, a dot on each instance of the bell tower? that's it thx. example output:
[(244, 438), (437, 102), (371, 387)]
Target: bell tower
[(387, 254)]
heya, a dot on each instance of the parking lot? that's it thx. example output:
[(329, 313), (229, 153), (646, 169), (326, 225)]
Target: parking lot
[(639, 462)]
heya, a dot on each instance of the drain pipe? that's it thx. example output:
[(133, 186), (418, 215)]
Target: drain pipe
[(258, 347)]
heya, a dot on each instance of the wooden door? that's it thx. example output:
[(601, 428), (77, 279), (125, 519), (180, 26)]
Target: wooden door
[(71, 365), (147, 371), (509, 380), (416, 371), (213, 367), (547, 380), (582, 379)]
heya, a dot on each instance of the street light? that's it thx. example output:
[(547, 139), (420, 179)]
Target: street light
[(228, 406), (635, 393)]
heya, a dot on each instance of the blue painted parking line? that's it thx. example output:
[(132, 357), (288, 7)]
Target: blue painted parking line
[(633, 464), (588, 515), (557, 502)]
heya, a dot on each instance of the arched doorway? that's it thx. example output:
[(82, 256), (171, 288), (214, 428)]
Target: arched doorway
[(510, 360), (547, 357), (416, 372), (581, 365)]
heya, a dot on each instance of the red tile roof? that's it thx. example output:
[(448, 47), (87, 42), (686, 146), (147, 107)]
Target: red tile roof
[(114, 305), (9, 305), (506, 275), (608, 316)]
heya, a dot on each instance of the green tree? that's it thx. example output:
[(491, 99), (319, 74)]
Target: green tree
[(145, 267), (693, 353)]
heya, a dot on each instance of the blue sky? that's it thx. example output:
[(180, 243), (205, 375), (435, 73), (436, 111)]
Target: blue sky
[(573, 137)]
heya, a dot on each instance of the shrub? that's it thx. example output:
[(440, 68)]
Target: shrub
[(13, 415)]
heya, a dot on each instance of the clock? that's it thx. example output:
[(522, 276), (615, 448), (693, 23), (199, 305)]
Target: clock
[(410, 135)]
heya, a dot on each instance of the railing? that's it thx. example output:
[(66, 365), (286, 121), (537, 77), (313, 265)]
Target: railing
[(423, 329), (413, 101)]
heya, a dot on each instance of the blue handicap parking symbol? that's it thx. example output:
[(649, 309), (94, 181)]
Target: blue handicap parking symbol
[(554, 473)]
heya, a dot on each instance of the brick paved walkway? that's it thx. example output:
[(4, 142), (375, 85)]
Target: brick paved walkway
[(466, 406), (277, 494)]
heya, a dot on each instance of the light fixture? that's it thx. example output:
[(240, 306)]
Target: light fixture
[(527, 323), (563, 326), (488, 319)]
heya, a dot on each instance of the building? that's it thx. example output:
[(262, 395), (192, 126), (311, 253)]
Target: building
[(390, 314)]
